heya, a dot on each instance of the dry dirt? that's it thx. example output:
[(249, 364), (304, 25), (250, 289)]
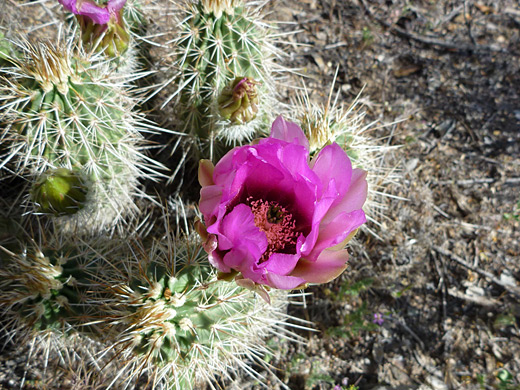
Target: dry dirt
[(445, 274)]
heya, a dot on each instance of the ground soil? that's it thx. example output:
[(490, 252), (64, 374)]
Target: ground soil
[(451, 70)]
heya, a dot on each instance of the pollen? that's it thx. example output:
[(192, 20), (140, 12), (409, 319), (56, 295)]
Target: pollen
[(278, 225)]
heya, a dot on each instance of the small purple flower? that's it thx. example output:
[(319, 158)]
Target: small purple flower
[(378, 319), (277, 218), (337, 387)]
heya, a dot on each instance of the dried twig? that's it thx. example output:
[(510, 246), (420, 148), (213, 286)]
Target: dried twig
[(432, 41), (483, 301), (515, 290), (468, 24), (484, 180), (442, 286)]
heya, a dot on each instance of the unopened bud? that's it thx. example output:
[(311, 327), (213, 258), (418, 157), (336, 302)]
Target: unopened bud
[(59, 192), (239, 101), (102, 26)]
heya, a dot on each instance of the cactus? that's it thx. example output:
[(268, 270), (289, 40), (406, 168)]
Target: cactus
[(45, 288), (345, 126), (62, 112), (220, 45), (170, 318), (5, 50), (156, 305)]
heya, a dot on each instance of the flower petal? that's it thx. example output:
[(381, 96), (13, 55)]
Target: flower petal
[(333, 165), (215, 260), (115, 5), (284, 282), (329, 265), (320, 210), (210, 198), (205, 173), (336, 231), (289, 132), (238, 230), (98, 15), (281, 263), (353, 199)]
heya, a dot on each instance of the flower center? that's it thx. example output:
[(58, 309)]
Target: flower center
[(277, 223)]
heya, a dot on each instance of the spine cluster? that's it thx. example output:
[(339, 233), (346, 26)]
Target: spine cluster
[(70, 129), (224, 75)]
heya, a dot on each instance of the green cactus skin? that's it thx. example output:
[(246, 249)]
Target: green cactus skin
[(5, 50), (44, 290), (63, 112), (152, 309), (44, 303), (59, 192), (217, 43), (170, 319)]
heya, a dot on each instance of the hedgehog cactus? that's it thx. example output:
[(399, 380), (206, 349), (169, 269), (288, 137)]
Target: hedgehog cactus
[(171, 319), (43, 289), (5, 49), (345, 126), (63, 113), (221, 43)]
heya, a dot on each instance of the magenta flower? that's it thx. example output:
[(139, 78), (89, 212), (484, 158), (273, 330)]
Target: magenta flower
[(89, 9), (105, 22), (378, 319), (278, 218)]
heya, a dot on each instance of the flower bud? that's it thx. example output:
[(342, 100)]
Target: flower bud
[(59, 192), (102, 27), (238, 102), (218, 7)]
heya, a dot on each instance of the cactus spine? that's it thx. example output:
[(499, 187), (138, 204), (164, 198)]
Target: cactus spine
[(172, 320), (345, 126), (220, 45), (157, 306), (63, 112), (42, 289)]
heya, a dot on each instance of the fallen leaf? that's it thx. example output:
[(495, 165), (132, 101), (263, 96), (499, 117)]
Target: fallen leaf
[(407, 70), (484, 8)]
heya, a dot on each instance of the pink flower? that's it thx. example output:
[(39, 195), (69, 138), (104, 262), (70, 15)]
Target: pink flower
[(89, 9), (278, 218)]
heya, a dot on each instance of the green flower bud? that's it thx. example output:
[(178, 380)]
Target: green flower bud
[(59, 192), (239, 101)]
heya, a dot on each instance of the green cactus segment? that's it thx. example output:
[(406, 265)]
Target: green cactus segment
[(61, 111), (171, 319), (347, 142), (175, 314), (69, 119), (5, 50), (134, 17), (44, 290), (59, 192), (212, 51)]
